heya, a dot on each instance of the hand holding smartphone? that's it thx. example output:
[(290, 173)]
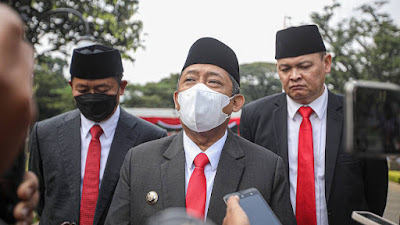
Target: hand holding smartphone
[(378, 103), (369, 218), (256, 208)]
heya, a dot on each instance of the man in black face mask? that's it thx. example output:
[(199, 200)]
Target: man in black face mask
[(77, 156)]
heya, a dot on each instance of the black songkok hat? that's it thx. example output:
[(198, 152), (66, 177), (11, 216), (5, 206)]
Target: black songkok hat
[(296, 41), (96, 62), (211, 51)]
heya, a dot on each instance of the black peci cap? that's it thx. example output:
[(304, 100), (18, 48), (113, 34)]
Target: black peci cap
[(96, 62), (211, 51), (296, 41)]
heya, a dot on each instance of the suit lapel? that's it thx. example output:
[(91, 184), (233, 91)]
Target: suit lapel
[(69, 137), (280, 129), (125, 138), (173, 174), (227, 179), (334, 125)]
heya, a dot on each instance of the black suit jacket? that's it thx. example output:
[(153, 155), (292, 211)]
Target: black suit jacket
[(350, 183), (160, 166), (55, 157)]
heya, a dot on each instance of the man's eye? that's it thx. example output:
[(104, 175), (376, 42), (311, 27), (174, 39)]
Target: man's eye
[(215, 81), (189, 80), (286, 69), (102, 91), (83, 91), (305, 67)]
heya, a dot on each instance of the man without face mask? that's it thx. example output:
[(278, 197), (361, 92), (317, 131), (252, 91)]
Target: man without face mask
[(69, 152), (326, 183)]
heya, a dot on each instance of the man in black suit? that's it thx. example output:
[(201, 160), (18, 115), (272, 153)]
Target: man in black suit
[(169, 173), (78, 155), (340, 183)]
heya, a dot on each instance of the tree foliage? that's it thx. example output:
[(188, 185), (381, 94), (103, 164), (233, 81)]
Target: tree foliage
[(111, 23), (259, 79), (53, 94), (153, 94), (366, 46)]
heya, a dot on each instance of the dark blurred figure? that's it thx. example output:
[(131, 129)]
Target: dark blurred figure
[(16, 69), (17, 111)]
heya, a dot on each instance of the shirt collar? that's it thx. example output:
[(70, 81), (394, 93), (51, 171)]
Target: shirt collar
[(318, 105), (213, 152), (108, 125)]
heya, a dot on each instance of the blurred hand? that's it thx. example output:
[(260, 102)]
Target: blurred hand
[(28, 192), (16, 69), (234, 213)]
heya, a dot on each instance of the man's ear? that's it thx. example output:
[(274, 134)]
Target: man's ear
[(327, 63), (70, 83), (122, 87), (176, 101), (238, 102)]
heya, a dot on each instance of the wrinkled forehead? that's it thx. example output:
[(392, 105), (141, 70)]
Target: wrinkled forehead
[(205, 69)]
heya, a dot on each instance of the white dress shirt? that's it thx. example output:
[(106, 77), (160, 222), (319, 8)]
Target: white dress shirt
[(318, 122), (106, 139), (213, 153)]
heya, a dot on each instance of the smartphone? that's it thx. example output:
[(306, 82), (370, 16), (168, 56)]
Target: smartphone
[(256, 208), (369, 218), (372, 118)]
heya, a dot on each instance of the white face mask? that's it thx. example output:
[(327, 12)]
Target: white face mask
[(201, 108)]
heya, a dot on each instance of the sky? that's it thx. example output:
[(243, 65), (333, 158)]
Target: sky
[(248, 27)]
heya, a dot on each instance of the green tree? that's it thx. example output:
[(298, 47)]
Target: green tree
[(365, 47), (153, 94), (111, 23), (53, 93), (259, 79)]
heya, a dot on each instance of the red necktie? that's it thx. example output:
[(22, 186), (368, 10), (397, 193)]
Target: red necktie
[(197, 188), (305, 196), (90, 189)]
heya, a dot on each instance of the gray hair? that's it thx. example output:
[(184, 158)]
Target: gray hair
[(235, 86), (322, 54)]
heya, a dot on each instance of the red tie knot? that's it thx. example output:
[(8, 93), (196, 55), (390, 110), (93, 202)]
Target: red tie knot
[(96, 131), (201, 160), (305, 112)]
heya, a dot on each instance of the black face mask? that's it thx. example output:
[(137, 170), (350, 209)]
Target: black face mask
[(96, 107)]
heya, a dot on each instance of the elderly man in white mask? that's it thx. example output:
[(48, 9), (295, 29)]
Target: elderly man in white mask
[(205, 161)]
